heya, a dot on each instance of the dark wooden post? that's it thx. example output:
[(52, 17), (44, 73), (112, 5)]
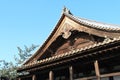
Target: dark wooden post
[(34, 77), (19, 78), (111, 78), (109, 69), (51, 75), (71, 73), (97, 69)]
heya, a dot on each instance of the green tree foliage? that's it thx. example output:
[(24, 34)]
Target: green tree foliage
[(24, 54), (8, 69)]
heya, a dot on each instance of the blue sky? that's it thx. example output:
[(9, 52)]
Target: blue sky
[(26, 22)]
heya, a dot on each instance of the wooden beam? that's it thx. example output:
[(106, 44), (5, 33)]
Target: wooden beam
[(88, 78), (51, 75), (111, 74), (71, 73), (34, 77), (97, 71)]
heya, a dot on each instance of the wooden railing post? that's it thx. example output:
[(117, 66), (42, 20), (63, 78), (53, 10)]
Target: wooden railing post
[(19, 78), (71, 73), (51, 75), (34, 77), (97, 71)]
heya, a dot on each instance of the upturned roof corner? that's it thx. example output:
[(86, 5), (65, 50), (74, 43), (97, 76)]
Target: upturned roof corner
[(66, 10)]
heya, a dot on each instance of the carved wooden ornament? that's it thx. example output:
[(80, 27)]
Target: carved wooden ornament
[(66, 30)]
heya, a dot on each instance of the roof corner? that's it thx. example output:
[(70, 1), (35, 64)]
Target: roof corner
[(66, 11)]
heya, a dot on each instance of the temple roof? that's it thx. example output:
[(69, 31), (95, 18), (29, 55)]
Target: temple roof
[(89, 23)]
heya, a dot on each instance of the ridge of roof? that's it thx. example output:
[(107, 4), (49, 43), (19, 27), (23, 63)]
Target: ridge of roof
[(70, 53), (92, 23)]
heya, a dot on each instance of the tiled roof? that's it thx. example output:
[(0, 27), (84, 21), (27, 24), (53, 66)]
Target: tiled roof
[(70, 53), (94, 24)]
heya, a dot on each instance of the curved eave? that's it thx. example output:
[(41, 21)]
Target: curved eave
[(94, 24)]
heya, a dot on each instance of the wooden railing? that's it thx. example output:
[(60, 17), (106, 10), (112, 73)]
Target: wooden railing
[(101, 76)]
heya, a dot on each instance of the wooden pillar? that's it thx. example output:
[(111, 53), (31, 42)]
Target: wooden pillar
[(34, 77), (51, 75), (97, 71), (71, 73), (19, 78), (111, 78), (109, 69)]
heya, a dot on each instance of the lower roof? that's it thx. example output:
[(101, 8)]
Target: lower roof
[(70, 53)]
